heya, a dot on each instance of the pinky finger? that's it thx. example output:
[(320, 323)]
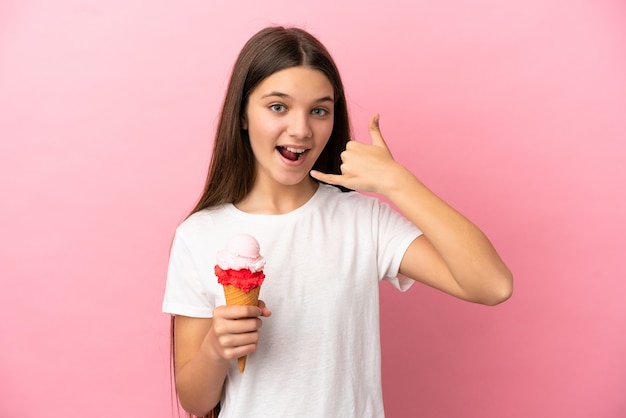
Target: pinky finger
[(334, 179)]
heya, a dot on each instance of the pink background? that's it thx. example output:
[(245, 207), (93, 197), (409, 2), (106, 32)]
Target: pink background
[(512, 111)]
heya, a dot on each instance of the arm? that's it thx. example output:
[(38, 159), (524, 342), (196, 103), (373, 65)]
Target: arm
[(204, 348), (453, 255)]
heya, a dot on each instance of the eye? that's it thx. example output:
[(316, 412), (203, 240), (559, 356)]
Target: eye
[(320, 112), (278, 108)]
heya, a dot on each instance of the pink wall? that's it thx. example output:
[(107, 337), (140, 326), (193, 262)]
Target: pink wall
[(513, 111)]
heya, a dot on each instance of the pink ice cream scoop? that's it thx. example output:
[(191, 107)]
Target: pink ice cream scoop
[(240, 264), (242, 252)]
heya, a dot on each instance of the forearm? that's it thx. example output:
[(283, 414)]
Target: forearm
[(468, 254), (199, 383), (205, 348), (454, 255)]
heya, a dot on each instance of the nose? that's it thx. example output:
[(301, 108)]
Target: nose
[(299, 125)]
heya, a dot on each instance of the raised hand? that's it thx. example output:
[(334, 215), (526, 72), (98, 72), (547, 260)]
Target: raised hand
[(365, 167)]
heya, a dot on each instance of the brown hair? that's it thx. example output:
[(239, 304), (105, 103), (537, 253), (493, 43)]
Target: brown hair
[(232, 168)]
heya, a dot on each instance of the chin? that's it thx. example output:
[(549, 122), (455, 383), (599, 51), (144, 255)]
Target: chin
[(291, 181)]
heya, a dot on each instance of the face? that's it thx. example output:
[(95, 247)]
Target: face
[(289, 118)]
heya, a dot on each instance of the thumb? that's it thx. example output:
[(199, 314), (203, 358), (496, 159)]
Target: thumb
[(374, 131), (264, 310)]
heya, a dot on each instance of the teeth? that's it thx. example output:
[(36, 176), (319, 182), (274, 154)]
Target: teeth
[(295, 150)]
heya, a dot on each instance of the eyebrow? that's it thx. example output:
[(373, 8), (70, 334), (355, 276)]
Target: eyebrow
[(286, 96)]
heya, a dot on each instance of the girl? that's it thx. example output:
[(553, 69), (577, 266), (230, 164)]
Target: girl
[(282, 170)]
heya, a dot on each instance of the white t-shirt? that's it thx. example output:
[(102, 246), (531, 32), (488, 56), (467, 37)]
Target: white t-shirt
[(319, 352)]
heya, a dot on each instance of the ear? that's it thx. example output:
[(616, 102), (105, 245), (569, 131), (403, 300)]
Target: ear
[(244, 123)]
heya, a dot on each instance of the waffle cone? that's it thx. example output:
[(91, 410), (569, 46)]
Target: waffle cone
[(235, 296)]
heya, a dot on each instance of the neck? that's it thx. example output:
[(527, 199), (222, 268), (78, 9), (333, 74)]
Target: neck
[(277, 201)]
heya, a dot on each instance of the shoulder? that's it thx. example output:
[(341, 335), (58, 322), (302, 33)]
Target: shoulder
[(201, 234), (199, 223)]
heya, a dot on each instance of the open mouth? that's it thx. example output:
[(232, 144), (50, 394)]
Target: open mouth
[(292, 154)]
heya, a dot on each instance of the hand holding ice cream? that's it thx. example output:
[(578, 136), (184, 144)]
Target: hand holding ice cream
[(240, 270)]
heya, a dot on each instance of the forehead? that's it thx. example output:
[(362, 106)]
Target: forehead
[(296, 82)]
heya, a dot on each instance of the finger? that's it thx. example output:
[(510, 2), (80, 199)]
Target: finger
[(235, 346), (241, 326), (237, 311), (264, 310), (374, 130), (236, 326), (334, 179)]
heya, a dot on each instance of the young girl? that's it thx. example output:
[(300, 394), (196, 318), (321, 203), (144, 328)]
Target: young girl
[(281, 148)]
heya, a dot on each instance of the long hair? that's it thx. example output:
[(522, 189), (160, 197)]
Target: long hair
[(232, 168)]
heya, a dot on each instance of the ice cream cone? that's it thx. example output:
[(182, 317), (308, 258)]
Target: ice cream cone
[(235, 296), (239, 270)]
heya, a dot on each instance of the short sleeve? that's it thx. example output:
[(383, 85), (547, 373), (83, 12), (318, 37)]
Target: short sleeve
[(395, 234), (184, 291)]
